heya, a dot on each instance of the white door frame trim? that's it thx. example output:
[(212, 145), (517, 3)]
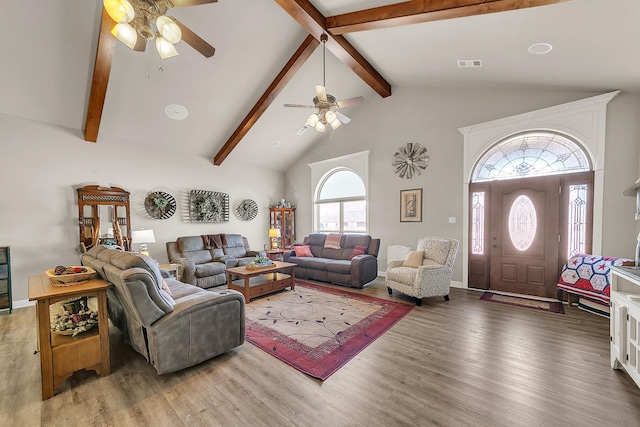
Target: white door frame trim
[(585, 120)]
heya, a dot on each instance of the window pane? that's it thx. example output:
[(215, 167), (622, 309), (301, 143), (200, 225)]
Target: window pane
[(342, 184), (329, 217), (477, 223), (523, 223), (355, 216), (531, 154), (577, 220)]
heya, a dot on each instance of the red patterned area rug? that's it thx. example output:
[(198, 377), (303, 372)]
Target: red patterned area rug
[(552, 306), (317, 329)]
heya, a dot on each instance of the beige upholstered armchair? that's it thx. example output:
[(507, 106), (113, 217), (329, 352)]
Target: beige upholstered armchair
[(425, 272)]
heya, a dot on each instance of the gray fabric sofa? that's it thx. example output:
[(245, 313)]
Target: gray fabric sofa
[(204, 258), (334, 265), (172, 332)]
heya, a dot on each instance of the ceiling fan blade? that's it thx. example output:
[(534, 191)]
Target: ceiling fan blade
[(321, 92), (299, 106), (344, 119), (141, 44), (350, 101), (185, 3), (194, 40)]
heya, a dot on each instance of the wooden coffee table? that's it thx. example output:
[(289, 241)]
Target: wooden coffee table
[(262, 280)]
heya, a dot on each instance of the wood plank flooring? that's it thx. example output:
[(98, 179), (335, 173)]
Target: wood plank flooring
[(464, 362)]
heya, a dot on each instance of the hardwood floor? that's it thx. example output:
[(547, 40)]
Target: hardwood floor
[(464, 362)]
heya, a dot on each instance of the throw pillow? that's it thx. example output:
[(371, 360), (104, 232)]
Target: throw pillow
[(413, 259), (333, 241), (165, 287), (358, 250), (303, 250)]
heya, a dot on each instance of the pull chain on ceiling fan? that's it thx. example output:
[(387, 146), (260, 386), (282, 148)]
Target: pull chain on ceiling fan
[(326, 104), (138, 21)]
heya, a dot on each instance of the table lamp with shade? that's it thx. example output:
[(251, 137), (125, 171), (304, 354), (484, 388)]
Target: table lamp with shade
[(274, 235), (143, 237)]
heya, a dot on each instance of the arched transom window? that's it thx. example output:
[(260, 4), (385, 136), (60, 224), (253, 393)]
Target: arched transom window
[(530, 154), (341, 203)]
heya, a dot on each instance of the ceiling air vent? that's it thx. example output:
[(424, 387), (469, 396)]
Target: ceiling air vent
[(303, 129), (469, 63)]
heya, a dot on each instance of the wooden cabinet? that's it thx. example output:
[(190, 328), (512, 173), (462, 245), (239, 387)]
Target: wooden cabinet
[(104, 217), (625, 320), (285, 220), (5, 279), (62, 355)]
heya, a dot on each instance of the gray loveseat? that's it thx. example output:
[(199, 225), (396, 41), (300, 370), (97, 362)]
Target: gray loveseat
[(337, 265), (171, 332), (204, 258)]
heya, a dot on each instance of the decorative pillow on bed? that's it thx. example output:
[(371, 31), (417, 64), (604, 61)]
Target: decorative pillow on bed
[(358, 250), (303, 250), (333, 241), (413, 259)]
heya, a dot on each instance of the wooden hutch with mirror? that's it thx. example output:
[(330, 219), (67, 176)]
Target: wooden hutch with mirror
[(104, 216)]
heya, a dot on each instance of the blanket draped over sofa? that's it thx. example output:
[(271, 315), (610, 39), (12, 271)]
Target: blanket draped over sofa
[(340, 263)]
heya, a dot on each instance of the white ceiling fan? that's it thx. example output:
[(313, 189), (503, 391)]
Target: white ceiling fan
[(326, 104)]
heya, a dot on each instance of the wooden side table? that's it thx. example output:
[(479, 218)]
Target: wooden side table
[(173, 269), (275, 254), (62, 355)]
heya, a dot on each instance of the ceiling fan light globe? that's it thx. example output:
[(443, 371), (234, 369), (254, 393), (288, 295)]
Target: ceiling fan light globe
[(168, 29), (126, 34), (335, 124), (312, 120), (330, 116), (165, 49), (120, 11), (319, 127)]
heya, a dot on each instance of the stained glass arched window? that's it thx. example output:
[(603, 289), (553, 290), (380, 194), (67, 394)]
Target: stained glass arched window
[(532, 153)]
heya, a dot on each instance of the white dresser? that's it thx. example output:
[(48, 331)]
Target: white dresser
[(625, 320)]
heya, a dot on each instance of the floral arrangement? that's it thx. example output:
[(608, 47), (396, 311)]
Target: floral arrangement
[(74, 324), (260, 261)]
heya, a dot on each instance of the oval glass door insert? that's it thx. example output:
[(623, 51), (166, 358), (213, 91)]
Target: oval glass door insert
[(523, 223)]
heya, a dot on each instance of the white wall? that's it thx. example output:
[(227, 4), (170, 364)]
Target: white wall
[(431, 118), (41, 165)]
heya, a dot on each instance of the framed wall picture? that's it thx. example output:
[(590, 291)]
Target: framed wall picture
[(411, 205)]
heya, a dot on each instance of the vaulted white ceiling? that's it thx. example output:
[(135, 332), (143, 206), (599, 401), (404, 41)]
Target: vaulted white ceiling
[(48, 53)]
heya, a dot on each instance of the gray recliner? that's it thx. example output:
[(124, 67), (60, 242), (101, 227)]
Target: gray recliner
[(204, 262), (174, 331)]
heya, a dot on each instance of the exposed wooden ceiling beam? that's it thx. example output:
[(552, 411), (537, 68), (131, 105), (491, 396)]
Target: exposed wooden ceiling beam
[(315, 23), (417, 11), (101, 71), (290, 69)]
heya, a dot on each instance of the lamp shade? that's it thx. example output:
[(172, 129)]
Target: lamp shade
[(126, 34), (143, 236), (120, 11), (168, 29), (274, 232), (165, 49)]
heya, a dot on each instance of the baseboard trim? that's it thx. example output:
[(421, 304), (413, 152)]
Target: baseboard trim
[(23, 303)]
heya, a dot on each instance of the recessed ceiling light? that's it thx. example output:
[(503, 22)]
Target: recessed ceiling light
[(540, 48), (176, 111), (275, 144)]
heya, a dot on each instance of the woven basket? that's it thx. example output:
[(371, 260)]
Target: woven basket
[(74, 277), (258, 266)]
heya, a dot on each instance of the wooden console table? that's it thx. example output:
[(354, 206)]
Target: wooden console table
[(62, 355)]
